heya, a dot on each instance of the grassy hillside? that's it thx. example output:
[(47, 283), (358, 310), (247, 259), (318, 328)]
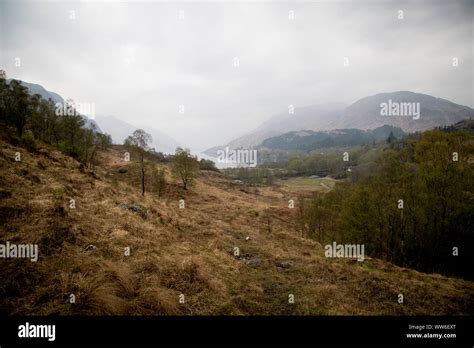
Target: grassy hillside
[(186, 251)]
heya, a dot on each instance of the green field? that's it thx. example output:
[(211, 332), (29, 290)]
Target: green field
[(305, 183)]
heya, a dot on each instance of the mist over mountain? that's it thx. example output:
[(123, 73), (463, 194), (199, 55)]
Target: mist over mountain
[(322, 117), (363, 114), (120, 130)]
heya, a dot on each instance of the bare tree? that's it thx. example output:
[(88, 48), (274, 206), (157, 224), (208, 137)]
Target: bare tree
[(139, 142)]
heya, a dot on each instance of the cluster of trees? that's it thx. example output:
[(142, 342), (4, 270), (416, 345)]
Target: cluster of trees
[(184, 166), (321, 164), (415, 209), (205, 164), (465, 125), (34, 119)]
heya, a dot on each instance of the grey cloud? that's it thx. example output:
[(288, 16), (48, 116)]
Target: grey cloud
[(139, 62)]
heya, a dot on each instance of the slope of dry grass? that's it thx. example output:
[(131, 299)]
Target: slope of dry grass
[(182, 251)]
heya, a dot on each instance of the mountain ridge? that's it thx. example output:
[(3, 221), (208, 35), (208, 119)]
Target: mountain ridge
[(308, 140), (365, 113)]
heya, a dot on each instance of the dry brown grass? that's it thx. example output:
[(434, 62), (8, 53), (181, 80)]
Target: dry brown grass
[(183, 251)]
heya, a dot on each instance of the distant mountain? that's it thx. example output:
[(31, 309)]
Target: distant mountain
[(307, 141), (321, 117), (38, 89), (56, 98), (366, 113), (433, 112), (120, 130)]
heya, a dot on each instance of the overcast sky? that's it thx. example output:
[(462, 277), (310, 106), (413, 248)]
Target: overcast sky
[(141, 61)]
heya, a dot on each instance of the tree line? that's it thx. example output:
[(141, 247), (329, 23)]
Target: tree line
[(415, 209), (34, 119)]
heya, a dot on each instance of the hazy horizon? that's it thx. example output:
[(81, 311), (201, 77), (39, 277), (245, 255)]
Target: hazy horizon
[(141, 62)]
